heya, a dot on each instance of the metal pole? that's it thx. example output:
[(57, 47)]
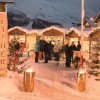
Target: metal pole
[(82, 31)]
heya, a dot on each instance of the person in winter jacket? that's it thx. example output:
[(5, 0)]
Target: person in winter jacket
[(56, 50), (68, 55), (73, 48), (46, 51), (36, 50)]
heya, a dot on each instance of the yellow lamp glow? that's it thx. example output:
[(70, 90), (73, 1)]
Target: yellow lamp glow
[(29, 70)]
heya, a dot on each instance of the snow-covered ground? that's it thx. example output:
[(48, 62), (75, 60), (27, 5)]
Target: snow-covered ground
[(52, 82)]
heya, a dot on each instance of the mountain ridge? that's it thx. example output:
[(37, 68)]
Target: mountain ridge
[(64, 12)]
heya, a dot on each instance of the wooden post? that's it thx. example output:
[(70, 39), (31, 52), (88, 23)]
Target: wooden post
[(81, 82), (28, 81), (3, 37), (3, 44), (82, 79)]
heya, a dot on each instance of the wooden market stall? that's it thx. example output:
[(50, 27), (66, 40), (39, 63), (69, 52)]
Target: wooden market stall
[(95, 33), (24, 35), (18, 33), (54, 33), (73, 35), (89, 38), (28, 37)]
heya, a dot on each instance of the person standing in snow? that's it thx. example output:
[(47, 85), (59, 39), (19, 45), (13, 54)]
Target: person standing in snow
[(50, 50), (46, 51), (37, 50), (56, 50), (73, 48), (68, 55), (78, 47)]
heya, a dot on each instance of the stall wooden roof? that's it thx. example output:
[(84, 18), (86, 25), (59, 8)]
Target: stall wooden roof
[(95, 33), (17, 31), (73, 32), (97, 18), (52, 32)]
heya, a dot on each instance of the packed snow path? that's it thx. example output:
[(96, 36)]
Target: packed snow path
[(52, 82)]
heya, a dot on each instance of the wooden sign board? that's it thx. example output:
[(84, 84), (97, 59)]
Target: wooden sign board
[(3, 43)]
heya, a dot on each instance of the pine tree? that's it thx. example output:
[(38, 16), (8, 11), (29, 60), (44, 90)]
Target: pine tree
[(94, 60)]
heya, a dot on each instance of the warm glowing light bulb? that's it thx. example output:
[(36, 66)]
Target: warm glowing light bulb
[(29, 70), (91, 18), (82, 70)]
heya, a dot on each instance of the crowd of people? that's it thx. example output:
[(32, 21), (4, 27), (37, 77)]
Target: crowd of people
[(69, 52), (46, 50)]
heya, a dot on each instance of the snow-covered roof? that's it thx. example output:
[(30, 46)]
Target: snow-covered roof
[(39, 31), (87, 31), (25, 30), (93, 30), (61, 29), (17, 27), (75, 30), (78, 31), (97, 17)]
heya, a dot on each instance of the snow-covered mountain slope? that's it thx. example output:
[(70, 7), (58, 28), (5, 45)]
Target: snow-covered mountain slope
[(60, 11)]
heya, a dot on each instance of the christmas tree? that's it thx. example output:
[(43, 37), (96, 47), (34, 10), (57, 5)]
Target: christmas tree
[(94, 60)]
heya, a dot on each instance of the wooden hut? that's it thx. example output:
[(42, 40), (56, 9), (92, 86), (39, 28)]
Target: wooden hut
[(18, 33), (24, 35), (74, 35), (95, 33), (92, 34), (54, 34)]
